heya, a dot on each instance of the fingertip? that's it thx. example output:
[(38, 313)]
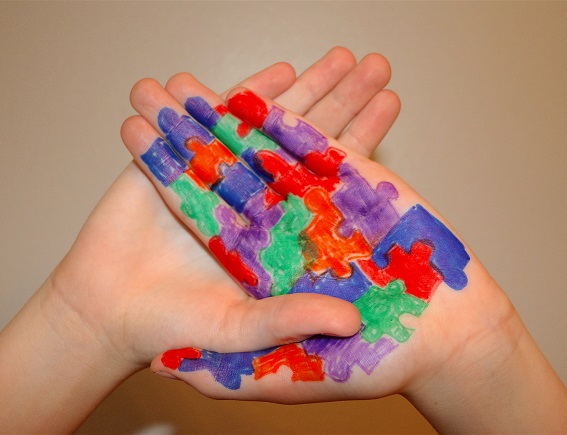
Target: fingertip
[(141, 88), (342, 55), (375, 69), (179, 78)]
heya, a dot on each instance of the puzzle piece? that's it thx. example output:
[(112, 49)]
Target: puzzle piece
[(413, 268), (449, 256), (340, 355), (226, 368), (286, 178), (349, 288), (208, 159), (303, 366), (330, 249), (380, 310), (365, 209), (163, 162)]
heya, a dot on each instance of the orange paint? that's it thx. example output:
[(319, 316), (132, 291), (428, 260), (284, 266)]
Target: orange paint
[(304, 367), (334, 251), (208, 158)]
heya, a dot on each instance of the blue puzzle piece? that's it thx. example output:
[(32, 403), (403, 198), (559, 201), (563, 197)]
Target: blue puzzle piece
[(449, 256)]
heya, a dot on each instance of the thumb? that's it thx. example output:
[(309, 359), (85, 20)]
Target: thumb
[(291, 318)]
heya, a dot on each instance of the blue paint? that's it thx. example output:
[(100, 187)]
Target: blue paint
[(349, 289), (226, 368), (163, 162), (199, 109), (238, 185), (418, 225), (178, 129)]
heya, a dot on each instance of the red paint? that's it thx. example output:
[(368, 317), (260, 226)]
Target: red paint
[(232, 262), (221, 109), (327, 163), (334, 251), (289, 178), (374, 273), (208, 158), (172, 358), (272, 198), (191, 174), (414, 269), (243, 129), (303, 366), (249, 106)]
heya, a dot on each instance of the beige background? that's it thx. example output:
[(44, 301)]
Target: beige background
[(482, 135)]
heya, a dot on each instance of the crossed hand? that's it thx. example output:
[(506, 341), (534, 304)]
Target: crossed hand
[(288, 210)]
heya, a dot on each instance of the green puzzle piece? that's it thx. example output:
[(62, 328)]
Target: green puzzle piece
[(381, 309)]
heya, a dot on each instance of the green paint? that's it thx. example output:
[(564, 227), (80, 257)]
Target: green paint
[(226, 131), (197, 204), (381, 308), (283, 259)]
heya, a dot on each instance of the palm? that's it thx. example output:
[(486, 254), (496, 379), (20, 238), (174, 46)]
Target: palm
[(337, 232), (161, 258)]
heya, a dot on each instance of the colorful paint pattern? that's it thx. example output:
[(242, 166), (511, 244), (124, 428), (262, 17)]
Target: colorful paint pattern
[(285, 212)]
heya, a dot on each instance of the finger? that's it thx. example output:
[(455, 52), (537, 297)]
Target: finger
[(336, 110), (181, 189), (263, 325), (280, 170), (316, 81), (371, 125), (290, 131), (215, 165), (271, 81)]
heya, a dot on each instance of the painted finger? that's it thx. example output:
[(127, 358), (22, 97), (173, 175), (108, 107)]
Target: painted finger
[(216, 165), (370, 126), (280, 170), (316, 81), (290, 131), (338, 108)]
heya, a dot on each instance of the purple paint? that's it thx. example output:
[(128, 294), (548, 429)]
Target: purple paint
[(340, 355), (198, 108), (365, 209), (247, 241), (178, 129), (299, 139)]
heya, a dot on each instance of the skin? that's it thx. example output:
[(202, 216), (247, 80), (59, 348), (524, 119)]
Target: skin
[(470, 366), (90, 330)]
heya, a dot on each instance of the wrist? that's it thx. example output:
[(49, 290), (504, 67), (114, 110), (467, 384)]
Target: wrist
[(497, 380), (51, 363)]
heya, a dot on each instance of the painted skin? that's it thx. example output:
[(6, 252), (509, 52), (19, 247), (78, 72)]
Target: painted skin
[(285, 212)]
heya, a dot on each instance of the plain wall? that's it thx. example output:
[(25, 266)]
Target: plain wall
[(482, 135)]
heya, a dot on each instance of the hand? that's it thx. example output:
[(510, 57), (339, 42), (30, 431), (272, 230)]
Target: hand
[(301, 213), (306, 221), (132, 284)]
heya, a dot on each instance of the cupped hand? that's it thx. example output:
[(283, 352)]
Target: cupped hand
[(289, 210), (143, 284)]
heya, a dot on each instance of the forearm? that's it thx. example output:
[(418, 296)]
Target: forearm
[(497, 382), (53, 370)]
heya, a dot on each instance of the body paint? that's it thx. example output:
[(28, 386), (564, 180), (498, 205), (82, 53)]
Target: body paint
[(381, 309), (449, 255), (310, 223)]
